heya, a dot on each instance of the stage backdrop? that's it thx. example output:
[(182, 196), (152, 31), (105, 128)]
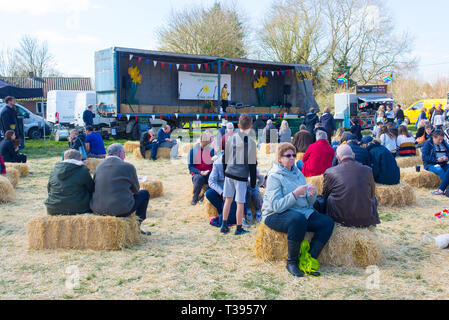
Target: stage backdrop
[(201, 86)]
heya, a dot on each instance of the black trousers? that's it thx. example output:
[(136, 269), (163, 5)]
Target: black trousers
[(198, 182), (140, 206)]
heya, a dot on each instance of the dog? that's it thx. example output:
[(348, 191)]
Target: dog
[(442, 241)]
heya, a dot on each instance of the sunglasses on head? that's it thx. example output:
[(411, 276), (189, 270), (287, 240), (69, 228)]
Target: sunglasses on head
[(290, 155)]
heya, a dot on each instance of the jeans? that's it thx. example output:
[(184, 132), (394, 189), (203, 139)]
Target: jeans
[(154, 146), (198, 182), (253, 197), (217, 201), (173, 146), (300, 164), (443, 172), (399, 122), (140, 206), (296, 225)]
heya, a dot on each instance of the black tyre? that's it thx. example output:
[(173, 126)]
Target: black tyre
[(35, 134)]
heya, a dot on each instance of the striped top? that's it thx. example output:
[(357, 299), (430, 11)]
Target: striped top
[(406, 146)]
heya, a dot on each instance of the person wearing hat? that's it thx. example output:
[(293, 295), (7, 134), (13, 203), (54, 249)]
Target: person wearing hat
[(88, 116)]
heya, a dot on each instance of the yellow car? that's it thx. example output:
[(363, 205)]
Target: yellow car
[(412, 112)]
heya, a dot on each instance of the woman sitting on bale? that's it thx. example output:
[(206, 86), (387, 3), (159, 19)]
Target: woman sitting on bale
[(148, 141), (288, 208), (424, 132), (318, 157), (336, 139), (70, 186), (435, 156), (285, 134), (9, 149), (405, 143)]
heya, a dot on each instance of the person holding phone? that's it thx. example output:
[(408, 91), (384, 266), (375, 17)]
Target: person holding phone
[(288, 207)]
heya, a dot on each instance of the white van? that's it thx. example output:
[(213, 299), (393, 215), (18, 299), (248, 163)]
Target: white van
[(61, 106)]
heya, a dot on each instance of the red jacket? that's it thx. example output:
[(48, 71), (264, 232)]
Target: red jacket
[(317, 159)]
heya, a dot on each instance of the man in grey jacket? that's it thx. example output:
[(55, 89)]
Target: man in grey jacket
[(117, 187)]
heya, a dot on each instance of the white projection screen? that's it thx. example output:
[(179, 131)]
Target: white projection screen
[(201, 86)]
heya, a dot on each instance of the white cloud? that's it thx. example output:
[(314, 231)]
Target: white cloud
[(56, 38), (45, 6)]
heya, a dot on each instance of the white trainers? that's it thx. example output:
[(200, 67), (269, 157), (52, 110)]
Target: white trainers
[(245, 224)]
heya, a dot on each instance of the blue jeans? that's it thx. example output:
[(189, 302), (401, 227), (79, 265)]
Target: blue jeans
[(154, 146), (296, 226), (217, 201), (443, 172), (399, 122), (300, 164)]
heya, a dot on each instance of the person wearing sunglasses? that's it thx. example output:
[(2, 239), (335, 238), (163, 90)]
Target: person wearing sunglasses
[(288, 208)]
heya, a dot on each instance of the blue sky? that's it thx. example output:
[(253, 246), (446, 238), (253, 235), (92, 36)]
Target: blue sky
[(75, 29)]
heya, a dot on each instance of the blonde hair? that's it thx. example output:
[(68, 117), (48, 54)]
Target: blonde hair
[(423, 123), (283, 147), (284, 125), (338, 135)]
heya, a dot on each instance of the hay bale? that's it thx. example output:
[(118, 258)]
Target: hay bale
[(185, 148), (209, 210), (317, 182), (399, 195), (203, 190), (92, 164), (7, 192), (155, 188), (418, 152), (268, 148), (347, 247), (407, 162), (130, 146), (423, 179), (162, 153), (23, 168), (13, 176), (299, 156), (82, 232)]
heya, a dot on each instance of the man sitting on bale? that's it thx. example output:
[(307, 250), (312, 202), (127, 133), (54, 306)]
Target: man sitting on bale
[(117, 187), (435, 156), (70, 186), (318, 157), (383, 163), (148, 141), (288, 208), (200, 164), (165, 141), (303, 139), (94, 144), (350, 191)]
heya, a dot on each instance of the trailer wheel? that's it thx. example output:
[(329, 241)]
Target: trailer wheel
[(135, 132)]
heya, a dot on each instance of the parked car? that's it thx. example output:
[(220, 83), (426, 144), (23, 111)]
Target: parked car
[(33, 124), (412, 112)]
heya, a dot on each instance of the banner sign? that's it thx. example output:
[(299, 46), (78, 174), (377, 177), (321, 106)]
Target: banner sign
[(380, 89), (201, 86)]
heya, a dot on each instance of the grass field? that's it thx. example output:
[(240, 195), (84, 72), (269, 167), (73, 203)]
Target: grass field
[(186, 258)]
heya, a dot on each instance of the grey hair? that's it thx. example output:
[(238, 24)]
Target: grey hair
[(321, 135), (345, 152), (230, 126), (72, 154), (115, 149)]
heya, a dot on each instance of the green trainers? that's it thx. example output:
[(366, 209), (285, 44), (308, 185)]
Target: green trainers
[(307, 264)]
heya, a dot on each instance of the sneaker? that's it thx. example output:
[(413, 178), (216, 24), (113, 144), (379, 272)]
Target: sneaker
[(224, 229), (437, 193), (258, 215), (241, 232), (215, 222), (193, 203), (245, 224), (145, 233)]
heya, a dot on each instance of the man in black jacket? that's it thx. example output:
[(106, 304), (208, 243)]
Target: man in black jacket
[(88, 116), (8, 117), (311, 120), (399, 116)]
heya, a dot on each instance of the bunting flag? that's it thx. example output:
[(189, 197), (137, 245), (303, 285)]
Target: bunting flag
[(219, 117), (163, 64), (224, 64), (277, 72), (342, 78), (131, 57), (185, 67), (254, 72), (261, 72), (155, 63), (199, 66), (230, 66), (248, 70), (272, 73), (169, 116), (288, 72), (161, 116), (388, 77), (243, 69), (154, 117), (148, 61), (136, 118), (212, 117), (236, 68), (140, 59), (176, 115), (283, 73), (197, 117), (169, 66), (226, 116), (177, 66), (263, 117), (212, 66), (205, 117), (193, 68), (128, 117), (274, 115), (206, 65), (119, 116), (266, 72), (257, 117)]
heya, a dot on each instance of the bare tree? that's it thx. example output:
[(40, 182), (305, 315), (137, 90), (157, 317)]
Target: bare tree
[(8, 63), (216, 31), (34, 56)]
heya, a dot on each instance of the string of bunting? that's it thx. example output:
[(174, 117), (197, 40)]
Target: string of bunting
[(211, 65), (227, 116)]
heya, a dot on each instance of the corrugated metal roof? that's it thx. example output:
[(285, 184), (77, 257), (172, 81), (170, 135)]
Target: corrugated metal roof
[(51, 83)]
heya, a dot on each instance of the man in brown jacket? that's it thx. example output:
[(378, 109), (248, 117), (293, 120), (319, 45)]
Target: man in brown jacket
[(303, 139), (350, 191), (117, 187)]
